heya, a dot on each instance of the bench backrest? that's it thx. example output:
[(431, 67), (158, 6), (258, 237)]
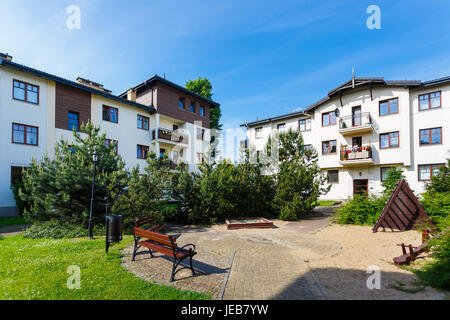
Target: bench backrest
[(156, 237)]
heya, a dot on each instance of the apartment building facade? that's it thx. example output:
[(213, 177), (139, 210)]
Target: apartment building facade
[(38, 109), (367, 125)]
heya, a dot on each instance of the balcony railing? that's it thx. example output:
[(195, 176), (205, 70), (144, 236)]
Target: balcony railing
[(170, 135), (355, 121), (356, 153), (172, 165)]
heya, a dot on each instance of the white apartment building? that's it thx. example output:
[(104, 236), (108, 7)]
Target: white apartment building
[(37, 109), (367, 125)]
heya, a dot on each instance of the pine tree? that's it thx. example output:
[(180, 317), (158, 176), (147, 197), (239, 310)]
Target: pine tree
[(299, 182), (60, 187)]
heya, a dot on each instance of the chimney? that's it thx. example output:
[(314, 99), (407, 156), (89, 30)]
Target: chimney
[(5, 56), (131, 94), (92, 84)]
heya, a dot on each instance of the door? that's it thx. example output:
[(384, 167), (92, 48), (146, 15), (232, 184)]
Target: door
[(356, 116), (356, 142), (360, 186)]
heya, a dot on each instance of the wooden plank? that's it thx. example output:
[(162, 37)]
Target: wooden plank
[(402, 211)]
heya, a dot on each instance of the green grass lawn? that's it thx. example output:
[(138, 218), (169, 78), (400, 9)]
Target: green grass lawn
[(7, 221), (322, 203), (37, 269)]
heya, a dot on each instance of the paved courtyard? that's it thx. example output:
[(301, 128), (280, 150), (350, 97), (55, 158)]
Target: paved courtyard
[(247, 263)]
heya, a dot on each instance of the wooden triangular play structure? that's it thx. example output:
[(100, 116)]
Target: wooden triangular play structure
[(402, 211)]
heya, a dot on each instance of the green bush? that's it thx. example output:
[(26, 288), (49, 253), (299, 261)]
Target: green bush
[(437, 272), (361, 210), (223, 190), (394, 175), (146, 194), (437, 204), (58, 230)]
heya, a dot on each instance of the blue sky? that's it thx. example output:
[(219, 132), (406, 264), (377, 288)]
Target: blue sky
[(264, 58)]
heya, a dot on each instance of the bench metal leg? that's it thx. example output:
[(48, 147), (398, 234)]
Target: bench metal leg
[(190, 261), (173, 269), (151, 253), (134, 251)]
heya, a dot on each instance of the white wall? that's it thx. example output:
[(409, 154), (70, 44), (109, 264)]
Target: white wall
[(19, 112), (408, 121)]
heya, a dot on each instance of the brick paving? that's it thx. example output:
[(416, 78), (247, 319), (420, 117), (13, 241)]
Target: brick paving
[(268, 263), (271, 273)]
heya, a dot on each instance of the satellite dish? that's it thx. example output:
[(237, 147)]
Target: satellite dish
[(337, 112)]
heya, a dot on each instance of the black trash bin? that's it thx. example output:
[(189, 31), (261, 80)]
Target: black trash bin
[(114, 227)]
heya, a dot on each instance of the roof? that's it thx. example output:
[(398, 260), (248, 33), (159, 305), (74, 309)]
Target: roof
[(350, 85), (155, 78), (284, 116), (74, 84)]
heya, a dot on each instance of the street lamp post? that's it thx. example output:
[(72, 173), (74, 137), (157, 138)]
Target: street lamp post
[(94, 161)]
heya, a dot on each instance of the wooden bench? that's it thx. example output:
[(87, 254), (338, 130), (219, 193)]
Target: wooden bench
[(150, 221), (165, 245)]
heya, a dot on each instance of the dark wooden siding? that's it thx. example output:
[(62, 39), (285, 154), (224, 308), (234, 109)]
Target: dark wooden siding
[(71, 99), (167, 99)]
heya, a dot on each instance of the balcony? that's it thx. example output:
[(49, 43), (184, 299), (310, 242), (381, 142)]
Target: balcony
[(169, 136), (358, 123), (354, 156)]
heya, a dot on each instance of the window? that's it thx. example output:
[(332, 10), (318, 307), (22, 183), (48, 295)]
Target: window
[(200, 134), (430, 136), (110, 114), (142, 122), (110, 142), (202, 111), (308, 147), (24, 134), (426, 172), (73, 119), (192, 107), (200, 157), (328, 119), (383, 173), (181, 103), (430, 101), (25, 92), (389, 140), (304, 125), (16, 174), (142, 152), (258, 132), (328, 147), (281, 126), (333, 176), (162, 152), (388, 107)]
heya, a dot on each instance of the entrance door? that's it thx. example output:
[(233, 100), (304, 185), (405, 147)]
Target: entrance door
[(356, 116), (360, 186), (356, 142)]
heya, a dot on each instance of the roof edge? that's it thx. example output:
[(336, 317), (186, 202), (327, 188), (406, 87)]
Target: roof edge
[(174, 85), (74, 84)]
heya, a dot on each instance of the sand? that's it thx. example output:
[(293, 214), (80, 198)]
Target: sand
[(344, 275)]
